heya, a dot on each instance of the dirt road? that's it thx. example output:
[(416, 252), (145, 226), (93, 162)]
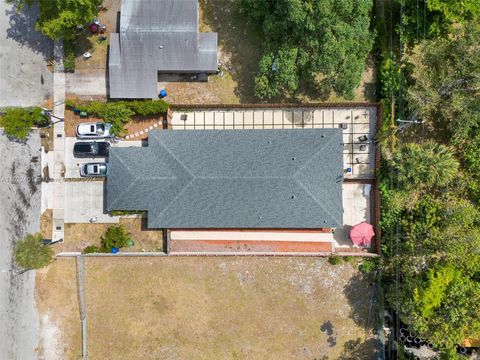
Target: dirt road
[(19, 215)]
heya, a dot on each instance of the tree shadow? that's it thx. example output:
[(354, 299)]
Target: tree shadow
[(359, 350), (22, 30), (358, 292), (240, 41)]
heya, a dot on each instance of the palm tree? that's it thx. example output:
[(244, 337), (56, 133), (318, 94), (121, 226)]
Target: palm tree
[(428, 165)]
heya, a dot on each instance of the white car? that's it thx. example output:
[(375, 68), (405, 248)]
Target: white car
[(94, 170), (93, 130)]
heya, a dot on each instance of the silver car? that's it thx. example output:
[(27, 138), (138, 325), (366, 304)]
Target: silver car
[(94, 169), (93, 130)]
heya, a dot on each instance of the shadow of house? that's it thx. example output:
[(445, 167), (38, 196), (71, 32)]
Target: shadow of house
[(22, 30)]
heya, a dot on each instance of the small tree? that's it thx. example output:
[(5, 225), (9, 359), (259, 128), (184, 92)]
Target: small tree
[(59, 18), (18, 121), (115, 237), (31, 253)]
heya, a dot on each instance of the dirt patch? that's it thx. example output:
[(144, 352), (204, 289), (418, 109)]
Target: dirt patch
[(79, 236), (142, 123), (46, 224), (46, 138), (225, 308), (57, 304)]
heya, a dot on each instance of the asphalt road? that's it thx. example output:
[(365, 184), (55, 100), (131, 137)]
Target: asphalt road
[(20, 196), (24, 77)]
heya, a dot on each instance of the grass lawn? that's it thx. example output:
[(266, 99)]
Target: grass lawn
[(226, 308), (79, 236), (57, 304)]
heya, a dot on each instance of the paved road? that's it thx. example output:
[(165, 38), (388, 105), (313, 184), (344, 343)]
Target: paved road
[(19, 214), (24, 77)]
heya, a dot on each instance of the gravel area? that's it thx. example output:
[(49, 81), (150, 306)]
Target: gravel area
[(19, 215)]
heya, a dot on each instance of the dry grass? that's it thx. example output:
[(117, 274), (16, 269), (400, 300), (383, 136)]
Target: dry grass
[(79, 236), (225, 308), (46, 224), (46, 138), (57, 303)]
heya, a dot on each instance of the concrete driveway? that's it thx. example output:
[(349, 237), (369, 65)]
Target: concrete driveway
[(84, 200), (24, 77), (72, 164)]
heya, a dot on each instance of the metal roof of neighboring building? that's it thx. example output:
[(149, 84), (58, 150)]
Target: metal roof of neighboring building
[(157, 35), (232, 179)]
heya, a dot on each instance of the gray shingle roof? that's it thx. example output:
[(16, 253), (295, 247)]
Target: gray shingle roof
[(232, 179), (157, 35)]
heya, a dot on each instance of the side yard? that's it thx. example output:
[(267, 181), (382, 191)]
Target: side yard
[(213, 308)]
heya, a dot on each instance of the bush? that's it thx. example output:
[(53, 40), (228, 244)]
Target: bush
[(17, 122), (369, 265), (69, 55), (115, 237), (334, 259), (31, 253), (120, 112), (92, 249), (147, 107)]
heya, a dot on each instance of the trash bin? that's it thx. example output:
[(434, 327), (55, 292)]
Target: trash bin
[(114, 250), (162, 94), (83, 114)]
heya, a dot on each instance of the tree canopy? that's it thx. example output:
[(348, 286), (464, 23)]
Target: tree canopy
[(17, 122), (31, 253), (322, 44), (59, 19), (446, 82)]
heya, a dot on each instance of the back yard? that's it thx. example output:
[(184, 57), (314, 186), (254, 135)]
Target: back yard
[(212, 308)]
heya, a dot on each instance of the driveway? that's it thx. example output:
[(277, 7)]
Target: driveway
[(25, 79), (84, 200), (19, 215)]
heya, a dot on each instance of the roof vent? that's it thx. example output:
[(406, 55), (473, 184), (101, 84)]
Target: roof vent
[(293, 197)]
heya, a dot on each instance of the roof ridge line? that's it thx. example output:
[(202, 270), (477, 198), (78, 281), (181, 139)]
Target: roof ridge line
[(173, 200), (159, 141), (332, 218), (313, 156)]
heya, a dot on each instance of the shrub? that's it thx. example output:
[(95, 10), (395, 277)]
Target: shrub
[(369, 265), (31, 253), (69, 55), (119, 113), (349, 259), (92, 249), (147, 107), (17, 122), (334, 259), (115, 237)]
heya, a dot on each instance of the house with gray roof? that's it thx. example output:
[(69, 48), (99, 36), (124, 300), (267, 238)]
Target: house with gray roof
[(231, 179), (157, 36)]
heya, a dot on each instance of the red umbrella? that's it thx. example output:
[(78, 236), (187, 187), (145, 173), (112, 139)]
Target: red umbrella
[(362, 234)]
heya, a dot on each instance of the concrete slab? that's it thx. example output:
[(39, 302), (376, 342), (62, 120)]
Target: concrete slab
[(86, 200), (356, 209)]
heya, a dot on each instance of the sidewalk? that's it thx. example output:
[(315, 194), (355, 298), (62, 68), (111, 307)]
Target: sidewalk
[(58, 145)]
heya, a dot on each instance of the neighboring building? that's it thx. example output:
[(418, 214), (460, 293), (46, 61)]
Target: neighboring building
[(230, 179), (157, 36)]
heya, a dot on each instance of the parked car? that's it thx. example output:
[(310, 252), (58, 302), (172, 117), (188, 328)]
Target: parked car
[(93, 130), (91, 149), (94, 169)]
